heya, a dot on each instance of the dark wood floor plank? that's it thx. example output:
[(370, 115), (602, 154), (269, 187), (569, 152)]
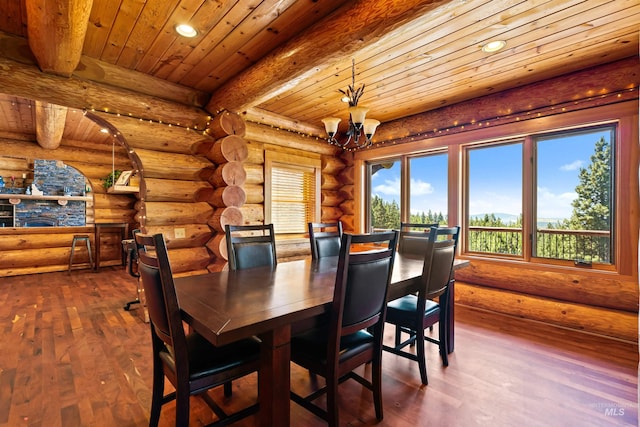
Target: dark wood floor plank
[(71, 356)]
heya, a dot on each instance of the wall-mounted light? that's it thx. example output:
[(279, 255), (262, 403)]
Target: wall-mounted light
[(186, 30)]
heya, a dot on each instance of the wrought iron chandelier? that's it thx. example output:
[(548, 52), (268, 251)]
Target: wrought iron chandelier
[(361, 129)]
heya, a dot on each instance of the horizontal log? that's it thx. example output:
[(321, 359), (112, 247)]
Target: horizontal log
[(331, 214), (230, 148), (218, 246), (228, 215), (347, 176), (329, 182), (331, 165), (226, 123), (155, 136), (348, 223), (114, 215), (156, 164), (230, 173), (255, 173), (19, 241), (43, 256), (581, 287), (231, 195), (167, 213), (348, 207), (255, 193), (252, 213), (113, 201), (267, 134), (174, 190), (609, 322), (255, 152), (347, 192), (195, 235), (189, 259), (330, 198), (22, 271), (15, 164), (24, 79)]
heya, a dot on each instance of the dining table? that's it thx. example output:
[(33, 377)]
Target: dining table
[(267, 302)]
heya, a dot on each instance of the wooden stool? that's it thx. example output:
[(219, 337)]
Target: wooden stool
[(81, 238)]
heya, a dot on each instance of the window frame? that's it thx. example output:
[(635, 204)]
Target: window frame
[(293, 162), (625, 114)]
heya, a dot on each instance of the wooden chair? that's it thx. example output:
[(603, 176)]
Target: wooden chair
[(412, 314), (191, 363), (335, 349), (413, 238), (250, 246), (324, 238)]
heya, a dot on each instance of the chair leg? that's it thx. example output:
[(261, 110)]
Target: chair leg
[(398, 332), (376, 386), (156, 395), (332, 402), (182, 405), (420, 353), (443, 333), (227, 389)]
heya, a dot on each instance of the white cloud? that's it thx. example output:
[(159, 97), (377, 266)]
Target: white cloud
[(572, 166), (420, 188), (552, 205), (389, 187)]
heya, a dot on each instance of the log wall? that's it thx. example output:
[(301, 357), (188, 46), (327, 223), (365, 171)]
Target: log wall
[(25, 250)]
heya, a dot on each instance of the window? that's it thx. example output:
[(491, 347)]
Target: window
[(494, 209), (384, 195), (424, 200), (574, 197), (428, 189), (293, 187)]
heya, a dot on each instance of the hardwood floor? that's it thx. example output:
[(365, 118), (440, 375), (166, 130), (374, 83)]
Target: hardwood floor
[(71, 356)]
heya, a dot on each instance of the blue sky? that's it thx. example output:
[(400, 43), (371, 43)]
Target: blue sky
[(496, 177)]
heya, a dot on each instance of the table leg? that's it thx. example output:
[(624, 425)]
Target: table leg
[(274, 377)]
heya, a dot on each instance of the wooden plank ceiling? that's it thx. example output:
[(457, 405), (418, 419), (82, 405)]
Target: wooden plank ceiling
[(283, 61)]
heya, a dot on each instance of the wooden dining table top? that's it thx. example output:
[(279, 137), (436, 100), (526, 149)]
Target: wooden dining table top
[(230, 305)]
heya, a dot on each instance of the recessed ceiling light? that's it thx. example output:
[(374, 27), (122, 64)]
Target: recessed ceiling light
[(494, 46), (186, 30)]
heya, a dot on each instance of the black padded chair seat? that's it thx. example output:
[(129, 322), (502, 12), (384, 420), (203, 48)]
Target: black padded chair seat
[(402, 311), (314, 342), (206, 359)]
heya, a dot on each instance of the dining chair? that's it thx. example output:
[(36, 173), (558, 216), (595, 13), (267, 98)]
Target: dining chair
[(412, 314), (413, 237), (353, 334), (191, 363), (324, 238), (250, 246)]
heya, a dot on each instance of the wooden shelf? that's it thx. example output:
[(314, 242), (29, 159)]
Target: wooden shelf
[(122, 189), (14, 199)]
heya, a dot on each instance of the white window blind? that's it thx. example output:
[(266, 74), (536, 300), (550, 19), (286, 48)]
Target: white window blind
[(293, 195)]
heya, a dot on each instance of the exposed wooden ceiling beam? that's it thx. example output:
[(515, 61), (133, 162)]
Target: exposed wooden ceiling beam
[(56, 32), (23, 79), (50, 121), (343, 33)]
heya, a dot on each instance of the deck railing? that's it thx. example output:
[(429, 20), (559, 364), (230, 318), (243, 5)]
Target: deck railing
[(577, 245)]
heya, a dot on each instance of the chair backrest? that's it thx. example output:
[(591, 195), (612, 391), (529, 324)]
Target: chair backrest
[(413, 237), (325, 238), (362, 279), (438, 261), (250, 246), (160, 293)]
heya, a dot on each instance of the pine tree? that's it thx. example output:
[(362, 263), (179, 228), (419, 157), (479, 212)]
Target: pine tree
[(591, 209)]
